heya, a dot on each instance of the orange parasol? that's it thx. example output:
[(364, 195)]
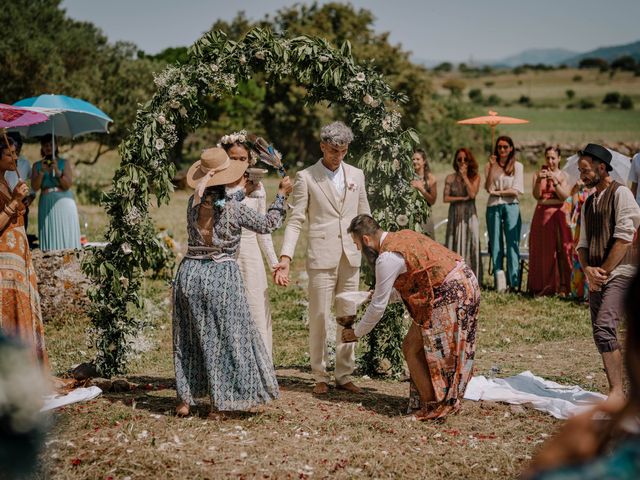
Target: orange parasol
[(492, 120)]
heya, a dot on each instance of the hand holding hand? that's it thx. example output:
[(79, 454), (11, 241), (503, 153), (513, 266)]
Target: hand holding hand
[(281, 272), (285, 187), (348, 335)]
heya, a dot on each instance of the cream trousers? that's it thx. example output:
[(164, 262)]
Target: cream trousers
[(324, 284)]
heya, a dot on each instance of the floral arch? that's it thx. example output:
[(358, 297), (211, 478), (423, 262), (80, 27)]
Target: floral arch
[(216, 65)]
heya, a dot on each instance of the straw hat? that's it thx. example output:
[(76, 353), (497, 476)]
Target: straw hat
[(214, 168)]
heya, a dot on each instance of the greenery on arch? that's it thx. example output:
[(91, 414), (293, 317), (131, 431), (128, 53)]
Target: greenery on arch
[(214, 68)]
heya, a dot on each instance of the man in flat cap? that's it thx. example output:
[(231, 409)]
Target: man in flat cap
[(610, 218)]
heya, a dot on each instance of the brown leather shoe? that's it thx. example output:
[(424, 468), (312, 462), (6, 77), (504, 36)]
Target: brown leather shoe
[(349, 387), (321, 388)]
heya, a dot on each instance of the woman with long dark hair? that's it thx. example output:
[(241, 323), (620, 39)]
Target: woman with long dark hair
[(460, 190), (425, 182), (504, 182)]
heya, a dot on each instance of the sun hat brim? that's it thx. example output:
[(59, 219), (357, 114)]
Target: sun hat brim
[(233, 172)]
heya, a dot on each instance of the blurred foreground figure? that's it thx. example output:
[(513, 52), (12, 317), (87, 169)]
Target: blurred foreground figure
[(22, 388), (588, 447)]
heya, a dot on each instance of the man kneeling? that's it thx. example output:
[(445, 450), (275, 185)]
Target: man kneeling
[(443, 299)]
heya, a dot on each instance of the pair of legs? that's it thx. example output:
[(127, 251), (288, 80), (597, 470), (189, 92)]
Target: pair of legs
[(413, 350), (324, 284), (607, 305), (504, 225)]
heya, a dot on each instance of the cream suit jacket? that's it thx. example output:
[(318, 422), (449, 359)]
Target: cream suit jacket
[(316, 200)]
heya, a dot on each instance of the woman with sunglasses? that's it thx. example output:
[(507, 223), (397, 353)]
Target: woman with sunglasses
[(504, 182), (460, 190)]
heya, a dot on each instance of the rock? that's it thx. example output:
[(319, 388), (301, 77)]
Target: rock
[(103, 384), (84, 371), (121, 385), (61, 284), (517, 409)]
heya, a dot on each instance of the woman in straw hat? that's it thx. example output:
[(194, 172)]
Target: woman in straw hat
[(217, 348)]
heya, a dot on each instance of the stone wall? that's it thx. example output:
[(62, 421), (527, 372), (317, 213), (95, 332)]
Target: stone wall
[(533, 152), (61, 284)]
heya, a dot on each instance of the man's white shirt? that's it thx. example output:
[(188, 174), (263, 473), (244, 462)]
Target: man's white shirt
[(336, 177)]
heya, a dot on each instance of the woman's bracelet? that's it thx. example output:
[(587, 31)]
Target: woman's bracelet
[(10, 212)]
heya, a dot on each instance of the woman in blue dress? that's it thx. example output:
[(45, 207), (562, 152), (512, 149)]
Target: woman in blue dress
[(58, 224), (218, 350)]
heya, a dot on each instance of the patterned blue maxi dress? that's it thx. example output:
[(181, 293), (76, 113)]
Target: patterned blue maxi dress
[(217, 348)]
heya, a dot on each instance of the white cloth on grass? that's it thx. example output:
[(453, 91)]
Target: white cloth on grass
[(561, 401), (74, 396)]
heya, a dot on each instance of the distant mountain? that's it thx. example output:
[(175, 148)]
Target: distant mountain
[(607, 53), (547, 56)]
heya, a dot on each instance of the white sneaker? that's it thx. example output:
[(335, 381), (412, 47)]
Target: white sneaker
[(501, 281)]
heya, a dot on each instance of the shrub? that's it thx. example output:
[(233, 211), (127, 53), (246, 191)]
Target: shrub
[(599, 63), (524, 100), (475, 95), (611, 98), (626, 63), (443, 67), (626, 103), (490, 83), (577, 78), (493, 100), (586, 104), (570, 94), (455, 86)]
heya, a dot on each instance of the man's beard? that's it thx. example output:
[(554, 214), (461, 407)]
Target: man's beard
[(371, 255), (592, 182)]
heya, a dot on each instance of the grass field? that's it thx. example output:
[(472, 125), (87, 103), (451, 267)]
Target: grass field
[(551, 120), (135, 434)]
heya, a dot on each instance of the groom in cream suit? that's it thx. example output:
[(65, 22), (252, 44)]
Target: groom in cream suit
[(328, 195)]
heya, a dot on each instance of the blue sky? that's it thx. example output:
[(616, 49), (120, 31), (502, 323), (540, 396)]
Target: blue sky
[(455, 30)]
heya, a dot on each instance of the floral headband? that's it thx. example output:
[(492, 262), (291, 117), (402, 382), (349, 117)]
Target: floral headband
[(238, 138)]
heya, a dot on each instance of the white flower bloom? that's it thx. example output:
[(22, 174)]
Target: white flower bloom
[(214, 68), (361, 77), (242, 59), (162, 119), (391, 121), (124, 281), (367, 99), (159, 144), (395, 164), (402, 220), (375, 103), (183, 112), (260, 55), (175, 104), (126, 248), (323, 58)]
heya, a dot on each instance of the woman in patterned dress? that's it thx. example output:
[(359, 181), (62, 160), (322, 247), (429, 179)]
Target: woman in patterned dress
[(20, 315), (460, 190), (443, 298), (249, 259), (218, 350)]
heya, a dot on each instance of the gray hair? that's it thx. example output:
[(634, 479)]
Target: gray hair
[(336, 133)]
